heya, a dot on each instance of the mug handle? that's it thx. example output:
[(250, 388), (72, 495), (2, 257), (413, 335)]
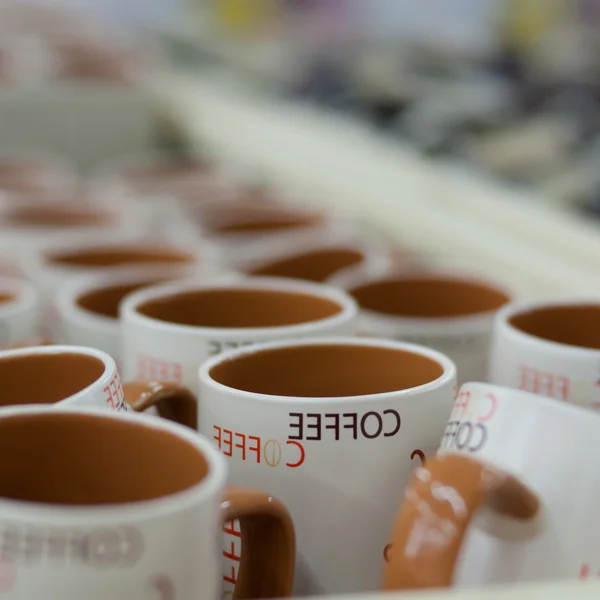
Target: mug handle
[(268, 543), (439, 505), (173, 402)]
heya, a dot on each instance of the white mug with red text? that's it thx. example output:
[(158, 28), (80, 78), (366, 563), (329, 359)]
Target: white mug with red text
[(334, 427), (521, 488), (100, 505), (19, 312), (551, 349), (450, 311), (170, 330), (79, 377)]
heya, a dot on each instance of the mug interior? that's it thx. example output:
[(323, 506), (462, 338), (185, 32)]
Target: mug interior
[(46, 378), (72, 459), (7, 298), (317, 265), (105, 301), (239, 308), (44, 216), (429, 297), (326, 371), (113, 256), (573, 325)]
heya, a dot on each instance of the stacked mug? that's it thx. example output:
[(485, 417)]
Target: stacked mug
[(306, 411)]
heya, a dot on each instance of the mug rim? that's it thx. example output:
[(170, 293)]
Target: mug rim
[(110, 366), (209, 486), (26, 296), (478, 321), (69, 294), (128, 312), (448, 368), (504, 328)]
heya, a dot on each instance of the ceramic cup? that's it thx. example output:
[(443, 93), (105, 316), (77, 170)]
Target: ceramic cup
[(450, 311), (261, 229), (88, 307), (23, 175), (159, 183), (19, 314), (550, 349), (57, 265), (170, 330), (319, 259), (336, 426), (529, 463), (29, 227), (74, 376), (97, 505)]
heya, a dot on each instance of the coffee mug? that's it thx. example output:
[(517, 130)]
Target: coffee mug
[(22, 175), (73, 376), (550, 349), (450, 311), (335, 426), (170, 330), (97, 505), (18, 311), (530, 463), (88, 307), (319, 259)]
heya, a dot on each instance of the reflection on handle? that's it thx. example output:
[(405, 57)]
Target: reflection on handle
[(268, 544), (173, 402), (440, 502)]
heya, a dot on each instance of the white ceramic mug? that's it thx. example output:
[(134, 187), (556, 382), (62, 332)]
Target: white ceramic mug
[(170, 330), (321, 258), (334, 426), (88, 306), (520, 484), (78, 377), (19, 312), (122, 506), (551, 349), (451, 311)]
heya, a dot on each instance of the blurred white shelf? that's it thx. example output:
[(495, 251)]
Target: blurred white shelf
[(453, 216)]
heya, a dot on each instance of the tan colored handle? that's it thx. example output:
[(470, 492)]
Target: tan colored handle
[(173, 402), (440, 502), (268, 544)]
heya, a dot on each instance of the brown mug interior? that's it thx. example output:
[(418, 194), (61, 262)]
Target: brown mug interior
[(46, 378), (61, 458), (326, 371), (113, 256), (573, 325), (44, 216), (429, 297), (243, 308), (316, 265), (105, 301), (6, 298)]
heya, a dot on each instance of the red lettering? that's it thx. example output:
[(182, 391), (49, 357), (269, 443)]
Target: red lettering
[(217, 437), (242, 447), (231, 579), (302, 454), (494, 405), (229, 528), (255, 449), (232, 554), (228, 441), (463, 402)]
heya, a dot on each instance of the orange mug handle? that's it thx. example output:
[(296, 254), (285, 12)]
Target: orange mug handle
[(173, 402), (440, 502), (268, 544)]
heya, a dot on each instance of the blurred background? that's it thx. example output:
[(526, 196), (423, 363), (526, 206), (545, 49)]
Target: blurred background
[(475, 107)]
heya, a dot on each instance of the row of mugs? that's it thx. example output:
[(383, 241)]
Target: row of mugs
[(548, 348), (334, 427)]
